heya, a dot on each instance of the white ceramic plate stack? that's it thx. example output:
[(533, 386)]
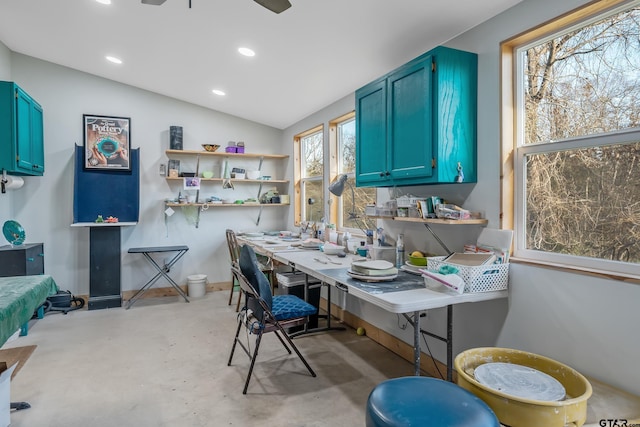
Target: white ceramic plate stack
[(373, 271)]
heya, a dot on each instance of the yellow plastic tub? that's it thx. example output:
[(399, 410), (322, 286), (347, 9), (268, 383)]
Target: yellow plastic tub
[(519, 412)]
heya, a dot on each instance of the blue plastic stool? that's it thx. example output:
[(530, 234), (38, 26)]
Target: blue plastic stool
[(426, 402)]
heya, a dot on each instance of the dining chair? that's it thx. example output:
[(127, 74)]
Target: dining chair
[(266, 266), (264, 312)]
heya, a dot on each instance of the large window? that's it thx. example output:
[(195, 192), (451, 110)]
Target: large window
[(349, 211), (576, 139), (309, 203)]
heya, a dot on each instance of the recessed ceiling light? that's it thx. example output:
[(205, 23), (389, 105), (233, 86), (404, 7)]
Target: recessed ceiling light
[(114, 59), (104, 1), (218, 92), (246, 51)]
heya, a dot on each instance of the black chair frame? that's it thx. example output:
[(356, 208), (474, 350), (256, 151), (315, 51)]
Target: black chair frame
[(257, 326)]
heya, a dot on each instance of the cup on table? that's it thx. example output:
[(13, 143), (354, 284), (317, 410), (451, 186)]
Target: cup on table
[(362, 252)]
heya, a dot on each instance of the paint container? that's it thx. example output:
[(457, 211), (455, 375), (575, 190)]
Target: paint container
[(197, 285)]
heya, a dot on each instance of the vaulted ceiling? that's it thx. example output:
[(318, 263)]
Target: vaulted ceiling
[(307, 57)]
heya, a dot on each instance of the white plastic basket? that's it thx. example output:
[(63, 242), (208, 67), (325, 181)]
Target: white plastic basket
[(482, 278)]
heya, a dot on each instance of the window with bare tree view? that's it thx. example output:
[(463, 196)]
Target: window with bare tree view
[(352, 203), (577, 158), (311, 167)]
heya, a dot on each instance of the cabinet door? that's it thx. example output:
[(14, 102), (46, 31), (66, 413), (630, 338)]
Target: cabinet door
[(455, 136), (410, 121), (23, 130), (37, 139), (29, 135), (371, 134)]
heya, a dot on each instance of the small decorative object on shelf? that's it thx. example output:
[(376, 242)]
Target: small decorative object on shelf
[(111, 220), (210, 147), (99, 219), (231, 147), (175, 137)]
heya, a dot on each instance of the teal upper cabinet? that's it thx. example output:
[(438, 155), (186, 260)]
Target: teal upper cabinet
[(417, 124), (21, 132)]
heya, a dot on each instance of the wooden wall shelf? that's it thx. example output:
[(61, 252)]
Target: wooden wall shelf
[(222, 205), (224, 154), (480, 221), (236, 181)]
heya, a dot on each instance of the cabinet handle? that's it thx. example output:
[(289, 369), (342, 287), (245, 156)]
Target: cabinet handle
[(41, 255), (30, 259), (381, 174), (387, 173)]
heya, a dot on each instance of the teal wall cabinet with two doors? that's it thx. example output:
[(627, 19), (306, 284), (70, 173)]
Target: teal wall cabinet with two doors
[(417, 124), (21, 132)]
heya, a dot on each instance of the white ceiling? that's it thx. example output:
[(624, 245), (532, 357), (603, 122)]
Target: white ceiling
[(309, 56)]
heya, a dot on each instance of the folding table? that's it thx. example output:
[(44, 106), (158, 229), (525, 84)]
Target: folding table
[(162, 271)]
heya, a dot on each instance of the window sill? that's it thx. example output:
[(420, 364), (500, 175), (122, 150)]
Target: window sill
[(604, 274)]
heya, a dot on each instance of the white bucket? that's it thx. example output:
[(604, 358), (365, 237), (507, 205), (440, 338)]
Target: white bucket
[(197, 285)]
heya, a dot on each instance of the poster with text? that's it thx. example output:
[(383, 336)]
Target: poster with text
[(106, 142)]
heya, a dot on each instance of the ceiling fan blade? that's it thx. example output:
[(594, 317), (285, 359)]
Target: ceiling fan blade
[(276, 6), (153, 2)]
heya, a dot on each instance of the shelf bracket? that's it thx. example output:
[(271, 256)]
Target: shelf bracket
[(449, 252), (259, 215), (198, 216), (259, 192)]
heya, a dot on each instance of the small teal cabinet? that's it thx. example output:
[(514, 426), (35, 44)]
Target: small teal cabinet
[(21, 132), (417, 124)]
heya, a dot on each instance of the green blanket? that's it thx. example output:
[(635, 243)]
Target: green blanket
[(20, 296)]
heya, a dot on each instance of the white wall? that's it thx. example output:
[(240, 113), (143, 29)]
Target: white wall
[(585, 322), (44, 205), (5, 74)]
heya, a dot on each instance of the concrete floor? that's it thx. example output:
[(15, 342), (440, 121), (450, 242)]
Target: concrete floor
[(164, 363)]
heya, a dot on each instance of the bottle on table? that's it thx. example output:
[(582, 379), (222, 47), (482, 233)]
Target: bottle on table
[(400, 251)]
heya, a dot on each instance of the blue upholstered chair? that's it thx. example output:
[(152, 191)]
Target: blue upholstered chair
[(264, 312), (426, 402)]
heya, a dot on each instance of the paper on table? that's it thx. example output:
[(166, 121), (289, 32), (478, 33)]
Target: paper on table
[(470, 259)]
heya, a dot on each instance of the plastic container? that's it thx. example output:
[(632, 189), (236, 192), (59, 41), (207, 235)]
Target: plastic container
[(197, 285), (387, 253), (481, 278), (449, 211)]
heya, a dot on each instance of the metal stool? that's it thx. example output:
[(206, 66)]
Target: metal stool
[(426, 402)]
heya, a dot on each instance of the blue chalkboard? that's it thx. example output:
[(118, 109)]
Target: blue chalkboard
[(106, 193)]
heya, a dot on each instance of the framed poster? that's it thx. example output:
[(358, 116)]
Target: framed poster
[(107, 142)]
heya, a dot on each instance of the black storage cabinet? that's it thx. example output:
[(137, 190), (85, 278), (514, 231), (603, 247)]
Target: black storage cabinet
[(22, 260)]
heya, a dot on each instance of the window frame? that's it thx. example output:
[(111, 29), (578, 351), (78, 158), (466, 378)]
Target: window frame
[(513, 152), (337, 205), (299, 197)]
